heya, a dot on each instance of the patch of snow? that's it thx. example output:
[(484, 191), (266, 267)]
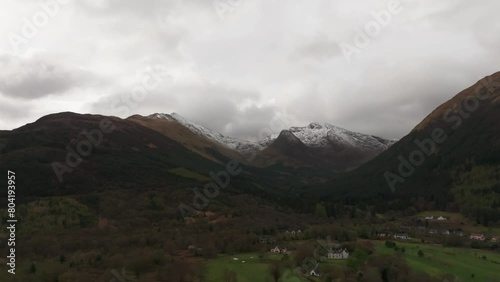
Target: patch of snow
[(317, 135), (230, 142)]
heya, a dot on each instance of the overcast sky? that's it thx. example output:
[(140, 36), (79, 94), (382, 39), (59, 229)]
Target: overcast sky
[(236, 65)]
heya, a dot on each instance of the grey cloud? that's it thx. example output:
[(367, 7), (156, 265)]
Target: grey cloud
[(237, 73), (14, 109), (253, 123), (35, 78), (215, 106), (320, 48)]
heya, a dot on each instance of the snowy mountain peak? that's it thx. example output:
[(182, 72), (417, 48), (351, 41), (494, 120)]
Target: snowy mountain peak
[(317, 135), (288, 135), (313, 135), (315, 125), (232, 143), (160, 116)]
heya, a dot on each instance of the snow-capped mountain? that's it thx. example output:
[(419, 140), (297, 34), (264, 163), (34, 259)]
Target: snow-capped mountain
[(317, 135), (230, 142), (314, 135)]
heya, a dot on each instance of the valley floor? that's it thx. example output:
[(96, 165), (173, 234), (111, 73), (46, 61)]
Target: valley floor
[(464, 263)]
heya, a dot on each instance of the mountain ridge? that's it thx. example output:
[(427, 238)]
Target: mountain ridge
[(312, 135)]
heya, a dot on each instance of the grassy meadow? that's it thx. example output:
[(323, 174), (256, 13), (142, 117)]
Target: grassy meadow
[(465, 264)]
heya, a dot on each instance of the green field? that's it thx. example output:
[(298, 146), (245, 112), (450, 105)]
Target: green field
[(437, 260), (248, 267)]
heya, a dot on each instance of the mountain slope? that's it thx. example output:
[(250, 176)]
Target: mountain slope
[(451, 158), (317, 135), (324, 146), (229, 142), (130, 155), (198, 143)]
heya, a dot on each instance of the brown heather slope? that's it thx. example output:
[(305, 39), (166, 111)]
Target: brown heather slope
[(178, 132), (487, 85), (462, 172)]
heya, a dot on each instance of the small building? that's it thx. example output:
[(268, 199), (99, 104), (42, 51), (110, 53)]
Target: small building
[(402, 236), (495, 239), (338, 253), (442, 218), (315, 272), (279, 250), (267, 240), (476, 236), (294, 234), (429, 217)]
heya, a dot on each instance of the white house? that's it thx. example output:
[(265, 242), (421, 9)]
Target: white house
[(315, 272), (479, 237), (442, 218), (429, 217), (279, 250), (294, 234), (402, 236), (267, 240), (338, 254)]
